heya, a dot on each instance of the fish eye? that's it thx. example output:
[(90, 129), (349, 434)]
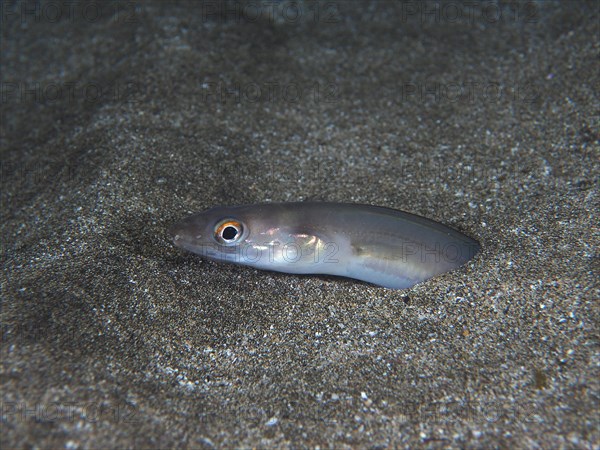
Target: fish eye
[(229, 231)]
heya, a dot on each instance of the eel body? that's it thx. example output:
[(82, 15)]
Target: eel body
[(378, 245)]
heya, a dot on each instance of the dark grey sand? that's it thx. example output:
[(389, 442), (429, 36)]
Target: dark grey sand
[(119, 119)]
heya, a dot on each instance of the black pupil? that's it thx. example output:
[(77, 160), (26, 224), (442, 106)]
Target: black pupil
[(229, 233)]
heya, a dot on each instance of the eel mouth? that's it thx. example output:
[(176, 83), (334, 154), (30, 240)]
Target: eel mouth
[(183, 235)]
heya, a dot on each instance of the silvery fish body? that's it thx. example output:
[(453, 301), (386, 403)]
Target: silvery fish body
[(378, 245)]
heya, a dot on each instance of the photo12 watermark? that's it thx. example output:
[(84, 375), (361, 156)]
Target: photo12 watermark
[(467, 92), (67, 92), (269, 92), (37, 172), (70, 11), (306, 250), (288, 12), (67, 412), (467, 12)]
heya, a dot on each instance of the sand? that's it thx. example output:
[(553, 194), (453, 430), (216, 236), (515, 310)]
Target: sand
[(118, 119)]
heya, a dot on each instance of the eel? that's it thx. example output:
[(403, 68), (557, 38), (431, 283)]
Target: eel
[(378, 245)]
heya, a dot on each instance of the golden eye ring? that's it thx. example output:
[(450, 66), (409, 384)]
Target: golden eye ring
[(229, 232)]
